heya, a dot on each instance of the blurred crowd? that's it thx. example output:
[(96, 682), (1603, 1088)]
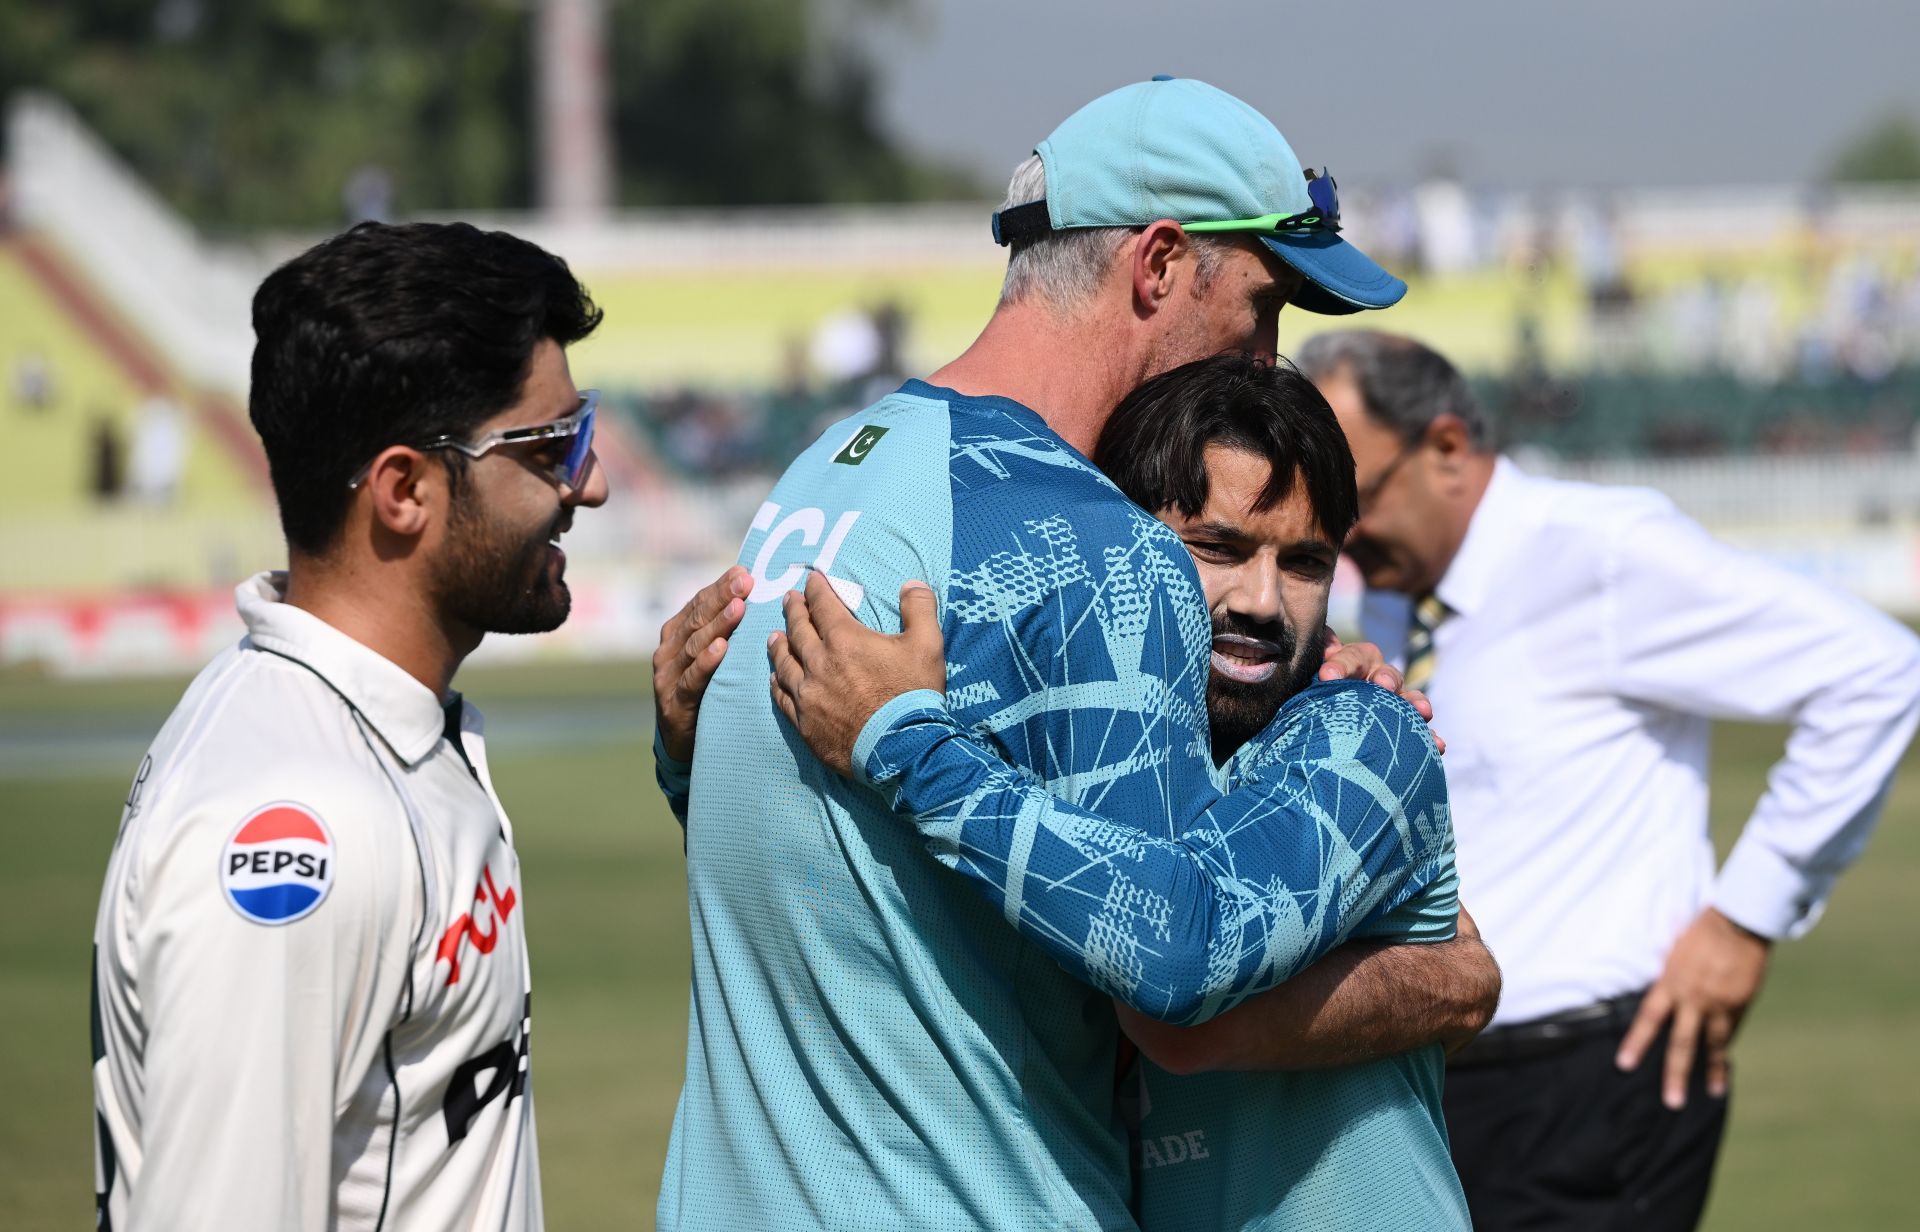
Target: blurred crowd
[(1813, 349), (849, 360), (1817, 310)]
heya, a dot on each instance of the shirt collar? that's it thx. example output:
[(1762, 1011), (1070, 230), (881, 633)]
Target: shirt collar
[(405, 712), (1499, 525)]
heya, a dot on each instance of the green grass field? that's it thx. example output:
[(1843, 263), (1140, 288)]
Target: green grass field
[(1826, 1109)]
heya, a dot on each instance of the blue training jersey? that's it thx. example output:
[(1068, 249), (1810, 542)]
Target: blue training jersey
[(869, 1043), (1362, 1148)]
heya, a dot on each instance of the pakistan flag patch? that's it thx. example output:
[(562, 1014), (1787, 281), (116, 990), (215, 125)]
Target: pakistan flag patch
[(856, 450)]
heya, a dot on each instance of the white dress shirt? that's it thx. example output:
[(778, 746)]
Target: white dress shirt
[(1593, 634)]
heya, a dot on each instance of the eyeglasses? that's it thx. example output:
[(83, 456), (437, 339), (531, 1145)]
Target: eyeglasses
[(1365, 497), (1324, 215), (577, 425)]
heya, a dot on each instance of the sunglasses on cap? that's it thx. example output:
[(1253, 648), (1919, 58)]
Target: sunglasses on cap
[(576, 427), (1324, 215)]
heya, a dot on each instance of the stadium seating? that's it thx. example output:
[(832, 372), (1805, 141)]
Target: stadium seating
[(70, 371)]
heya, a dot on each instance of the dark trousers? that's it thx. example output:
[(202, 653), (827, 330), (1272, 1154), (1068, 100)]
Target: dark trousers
[(1566, 1141)]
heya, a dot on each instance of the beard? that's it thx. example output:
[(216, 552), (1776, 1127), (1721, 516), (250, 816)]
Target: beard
[(493, 578), (1239, 710)]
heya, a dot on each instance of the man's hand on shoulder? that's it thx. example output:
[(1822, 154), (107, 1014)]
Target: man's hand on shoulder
[(1713, 973), (831, 673), (1363, 661), (692, 644)]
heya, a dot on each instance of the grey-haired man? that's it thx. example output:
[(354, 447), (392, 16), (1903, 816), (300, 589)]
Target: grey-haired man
[(871, 1044), (1579, 783)]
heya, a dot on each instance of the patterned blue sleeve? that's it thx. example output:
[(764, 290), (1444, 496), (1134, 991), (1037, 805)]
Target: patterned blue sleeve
[(1341, 827), (1431, 914), (1427, 908)]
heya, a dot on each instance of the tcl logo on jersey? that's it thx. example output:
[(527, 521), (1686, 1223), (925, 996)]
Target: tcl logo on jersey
[(278, 864), (802, 528), (497, 909)]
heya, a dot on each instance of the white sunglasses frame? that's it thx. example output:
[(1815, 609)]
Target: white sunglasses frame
[(565, 426)]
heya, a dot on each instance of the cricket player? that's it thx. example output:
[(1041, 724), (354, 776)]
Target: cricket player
[(1246, 463), (310, 993), (870, 1044)]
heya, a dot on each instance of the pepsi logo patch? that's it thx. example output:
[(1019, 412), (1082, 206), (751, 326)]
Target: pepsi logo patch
[(278, 864)]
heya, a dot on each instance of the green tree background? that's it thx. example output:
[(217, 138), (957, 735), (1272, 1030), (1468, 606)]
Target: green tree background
[(1886, 153), (253, 113)]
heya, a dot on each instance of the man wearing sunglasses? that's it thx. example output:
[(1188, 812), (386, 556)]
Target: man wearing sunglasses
[(1349, 1139), (311, 988), (871, 1042)]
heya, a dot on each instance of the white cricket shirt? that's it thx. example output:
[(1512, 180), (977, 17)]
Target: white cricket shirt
[(310, 961), (1595, 632)]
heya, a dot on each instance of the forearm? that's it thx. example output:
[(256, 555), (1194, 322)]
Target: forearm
[(1364, 1001), (675, 779), (1822, 803), (1257, 887), (1699, 628)]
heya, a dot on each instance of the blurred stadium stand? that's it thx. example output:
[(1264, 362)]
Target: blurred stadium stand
[(137, 473), (1754, 352)]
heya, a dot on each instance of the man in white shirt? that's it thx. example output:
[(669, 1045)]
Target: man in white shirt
[(1576, 641), (310, 993)]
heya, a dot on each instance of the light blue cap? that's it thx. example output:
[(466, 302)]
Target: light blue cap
[(1181, 149)]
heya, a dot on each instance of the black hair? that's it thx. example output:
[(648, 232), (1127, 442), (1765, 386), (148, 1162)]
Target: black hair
[(1155, 444), (388, 335)]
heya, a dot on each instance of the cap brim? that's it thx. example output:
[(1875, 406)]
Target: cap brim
[(1340, 278)]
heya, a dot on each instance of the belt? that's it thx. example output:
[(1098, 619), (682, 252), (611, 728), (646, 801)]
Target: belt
[(1554, 1033)]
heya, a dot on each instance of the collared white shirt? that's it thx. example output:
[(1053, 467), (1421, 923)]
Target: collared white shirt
[(310, 960), (1594, 633)]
